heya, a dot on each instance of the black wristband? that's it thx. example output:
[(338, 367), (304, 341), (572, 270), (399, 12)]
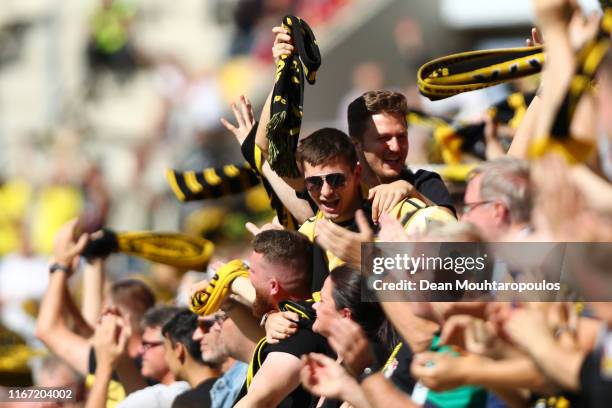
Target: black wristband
[(58, 267)]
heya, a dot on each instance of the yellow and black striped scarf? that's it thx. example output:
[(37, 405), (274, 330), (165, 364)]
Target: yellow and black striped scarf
[(468, 71), (450, 139), (230, 179), (212, 182), (286, 110), (169, 248), (464, 72)]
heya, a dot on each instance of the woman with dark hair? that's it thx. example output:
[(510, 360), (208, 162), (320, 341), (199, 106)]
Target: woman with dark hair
[(344, 296)]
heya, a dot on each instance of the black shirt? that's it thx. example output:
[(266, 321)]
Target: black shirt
[(303, 342), (429, 184), (401, 376), (596, 390), (198, 397)]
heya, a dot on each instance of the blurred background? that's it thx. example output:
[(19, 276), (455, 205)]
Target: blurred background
[(99, 97)]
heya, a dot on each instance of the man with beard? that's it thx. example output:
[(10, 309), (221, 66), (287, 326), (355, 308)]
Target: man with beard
[(224, 345), (280, 270)]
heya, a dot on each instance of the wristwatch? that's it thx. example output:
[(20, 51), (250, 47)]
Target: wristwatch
[(58, 267)]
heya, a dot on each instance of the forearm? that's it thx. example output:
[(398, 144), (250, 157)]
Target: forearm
[(247, 323), (563, 371), (381, 393), (99, 390), (520, 142), (417, 332), (93, 283), (597, 191), (81, 327), (518, 372), (285, 190), (261, 139), (50, 315), (558, 71)]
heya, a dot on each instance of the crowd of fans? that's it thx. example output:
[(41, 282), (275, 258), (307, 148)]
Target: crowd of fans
[(303, 328)]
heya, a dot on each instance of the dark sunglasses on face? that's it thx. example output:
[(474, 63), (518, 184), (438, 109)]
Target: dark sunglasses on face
[(210, 322), (314, 184)]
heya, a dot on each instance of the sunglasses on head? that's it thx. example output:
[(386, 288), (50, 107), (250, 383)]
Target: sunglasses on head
[(314, 184)]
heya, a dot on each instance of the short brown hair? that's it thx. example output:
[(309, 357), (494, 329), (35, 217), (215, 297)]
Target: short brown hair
[(371, 103), (288, 248), (134, 295), (325, 145), (282, 246)]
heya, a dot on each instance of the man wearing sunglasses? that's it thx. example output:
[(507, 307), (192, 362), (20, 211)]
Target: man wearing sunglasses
[(223, 344), (378, 128), (332, 176)]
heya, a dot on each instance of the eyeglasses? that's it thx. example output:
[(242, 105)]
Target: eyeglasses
[(148, 345), (467, 207), (314, 184)]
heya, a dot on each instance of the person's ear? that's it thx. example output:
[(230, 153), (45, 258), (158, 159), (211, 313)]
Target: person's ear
[(274, 287), (346, 313), (501, 212), (180, 352), (357, 169)]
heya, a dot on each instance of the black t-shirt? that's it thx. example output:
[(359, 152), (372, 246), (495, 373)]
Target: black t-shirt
[(401, 376), (303, 342), (596, 390), (198, 397), (429, 184)]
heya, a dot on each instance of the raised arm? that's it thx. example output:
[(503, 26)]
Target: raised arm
[(283, 45), (553, 18), (51, 326), (284, 188), (93, 287), (266, 390)]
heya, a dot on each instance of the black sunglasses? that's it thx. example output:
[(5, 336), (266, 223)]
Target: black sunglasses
[(211, 320), (314, 184)]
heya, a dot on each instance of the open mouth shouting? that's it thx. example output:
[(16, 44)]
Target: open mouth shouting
[(330, 206)]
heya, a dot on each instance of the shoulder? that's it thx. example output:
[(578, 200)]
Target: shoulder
[(303, 342), (422, 176)]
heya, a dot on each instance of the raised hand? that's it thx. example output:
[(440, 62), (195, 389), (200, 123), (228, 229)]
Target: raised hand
[(283, 43), (386, 196), (245, 119), (68, 244), (343, 243), (350, 343), (324, 377), (280, 325), (110, 339)]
